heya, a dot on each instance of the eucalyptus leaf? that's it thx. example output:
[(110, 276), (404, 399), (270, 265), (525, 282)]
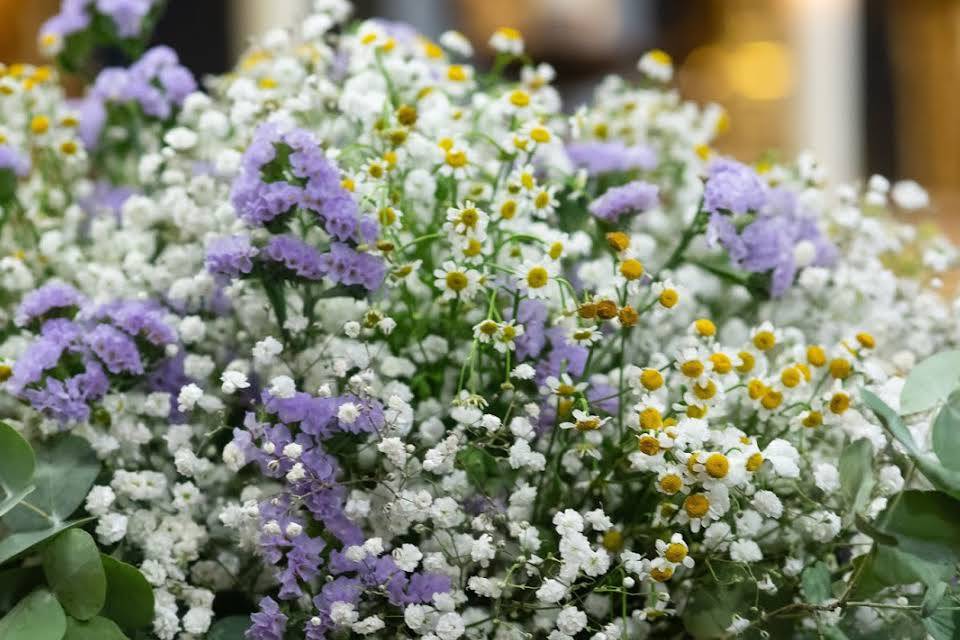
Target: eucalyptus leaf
[(926, 524), (16, 543), (15, 498), (129, 600), (946, 433), (71, 563), (944, 624), (66, 469), (37, 617), (17, 582), (856, 474), (230, 628), (17, 461), (815, 581), (947, 480), (889, 566), (98, 628), (932, 599), (711, 607), (930, 382)]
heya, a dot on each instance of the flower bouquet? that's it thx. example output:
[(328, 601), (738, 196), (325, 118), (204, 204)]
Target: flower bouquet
[(362, 340)]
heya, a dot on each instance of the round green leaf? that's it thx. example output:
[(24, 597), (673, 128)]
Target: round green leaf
[(129, 596), (930, 382), (926, 524), (14, 544), (816, 584), (72, 565), (230, 628), (856, 474), (66, 469), (37, 617), (98, 628), (16, 460), (946, 433)]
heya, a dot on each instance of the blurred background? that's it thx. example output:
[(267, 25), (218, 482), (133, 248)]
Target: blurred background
[(866, 84)]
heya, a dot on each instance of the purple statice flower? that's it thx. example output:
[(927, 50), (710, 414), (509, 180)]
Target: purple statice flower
[(269, 623), (68, 400), (532, 314), (115, 349), (106, 199), (157, 82), (139, 319), (343, 265), (636, 196), (52, 296), (733, 188), (315, 415), (40, 356), (607, 157), (564, 356), (13, 160), (230, 256), (296, 255), (73, 17), (127, 15)]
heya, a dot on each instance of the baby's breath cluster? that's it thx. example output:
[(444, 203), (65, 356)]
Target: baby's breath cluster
[(370, 341)]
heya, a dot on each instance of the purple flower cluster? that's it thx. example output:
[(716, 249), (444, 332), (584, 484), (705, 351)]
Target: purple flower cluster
[(62, 371), (51, 297), (779, 240), (609, 157), (733, 187), (297, 256), (230, 256), (157, 83), (346, 266), (75, 15), (632, 197), (14, 161), (269, 623)]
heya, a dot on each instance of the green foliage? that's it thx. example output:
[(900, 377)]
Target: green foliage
[(946, 433), (71, 563), (856, 475), (480, 467), (66, 469), (712, 605), (17, 464), (37, 617), (231, 628), (14, 544), (930, 382), (129, 600), (816, 584), (97, 628)]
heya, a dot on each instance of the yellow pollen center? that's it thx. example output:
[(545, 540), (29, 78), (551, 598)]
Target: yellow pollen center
[(717, 465), (457, 281), (537, 278), (696, 505)]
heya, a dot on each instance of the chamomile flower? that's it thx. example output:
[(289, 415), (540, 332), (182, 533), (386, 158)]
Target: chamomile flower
[(467, 220), (675, 551), (657, 65), (563, 386), (456, 282), (585, 336), (584, 421), (506, 335), (507, 40), (765, 337), (669, 294), (456, 159), (544, 201), (536, 278)]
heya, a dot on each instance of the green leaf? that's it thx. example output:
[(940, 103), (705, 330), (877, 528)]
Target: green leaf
[(888, 566), (16, 583), (946, 433), (37, 617), (71, 563), (856, 474), (944, 624), (16, 543), (932, 599), (231, 628), (889, 419), (129, 596), (930, 382), (66, 469), (947, 480), (98, 628), (15, 498), (815, 581), (17, 461), (926, 524), (478, 464)]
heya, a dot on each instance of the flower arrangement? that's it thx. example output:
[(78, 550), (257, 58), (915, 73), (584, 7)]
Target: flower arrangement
[(360, 340)]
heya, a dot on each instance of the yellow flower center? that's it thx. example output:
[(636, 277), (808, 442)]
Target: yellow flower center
[(866, 340), (839, 403), (631, 269), (456, 73), (790, 377), (840, 368), (588, 424), (721, 363), (670, 484), (651, 379), (764, 340), (717, 465), (660, 56), (556, 250), (537, 278), (675, 552), (508, 209), (613, 540), (747, 362), (771, 399), (39, 124), (754, 462), (488, 327), (540, 135), (457, 281), (564, 389), (519, 98), (650, 418), (813, 419), (661, 574), (669, 298), (756, 388), (816, 355), (705, 391), (696, 505), (692, 368), (705, 327), (456, 159)]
